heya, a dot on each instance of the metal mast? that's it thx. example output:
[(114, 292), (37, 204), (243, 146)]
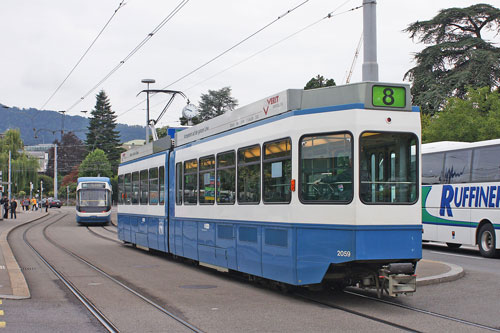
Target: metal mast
[(370, 65)]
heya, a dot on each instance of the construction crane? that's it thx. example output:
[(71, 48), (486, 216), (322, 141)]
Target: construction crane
[(349, 75)]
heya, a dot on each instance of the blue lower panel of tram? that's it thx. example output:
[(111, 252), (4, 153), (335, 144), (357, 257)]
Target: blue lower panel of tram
[(298, 254)]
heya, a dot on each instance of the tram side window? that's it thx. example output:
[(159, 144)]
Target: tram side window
[(161, 172), (153, 186), (127, 184), (226, 178), (144, 187), (191, 182), (178, 183), (326, 168), (457, 166), (120, 190), (432, 168), (207, 180), (486, 164), (277, 170), (388, 168), (249, 175), (135, 188)]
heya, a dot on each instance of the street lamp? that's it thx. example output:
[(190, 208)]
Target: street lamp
[(147, 81), (62, 123)]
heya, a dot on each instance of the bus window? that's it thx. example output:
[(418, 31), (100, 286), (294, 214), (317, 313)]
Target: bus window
[(135, 188), (457, 166), (388, 172), (121, 192), (178, 183), (249, 175), (432, 168), (153, 186), (207, 180), (326, 168), (226, 178), (191, 182), (277, 171), (486, 164), (144, 187), (162, 184)]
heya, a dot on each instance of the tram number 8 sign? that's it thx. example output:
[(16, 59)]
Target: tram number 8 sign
[(389, 96)]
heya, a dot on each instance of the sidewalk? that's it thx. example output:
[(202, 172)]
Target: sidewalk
[(12, 282)]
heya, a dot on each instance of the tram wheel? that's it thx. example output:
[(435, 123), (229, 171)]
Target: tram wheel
[(486, 241), (453, 245)]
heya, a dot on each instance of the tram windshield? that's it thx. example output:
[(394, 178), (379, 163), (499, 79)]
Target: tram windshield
[(94, 198), (388, 168)]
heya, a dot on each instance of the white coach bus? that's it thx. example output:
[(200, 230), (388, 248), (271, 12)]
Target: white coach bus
[(461, 194)]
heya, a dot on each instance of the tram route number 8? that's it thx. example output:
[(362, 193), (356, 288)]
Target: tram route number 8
[(389, 96)]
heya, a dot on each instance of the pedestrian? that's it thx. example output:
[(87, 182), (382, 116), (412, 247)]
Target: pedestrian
[(46, 206), (5, 207), (13, 207)]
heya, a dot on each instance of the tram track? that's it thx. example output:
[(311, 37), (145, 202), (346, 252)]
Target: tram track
[(92, 231), (93, 309), (430, 313)]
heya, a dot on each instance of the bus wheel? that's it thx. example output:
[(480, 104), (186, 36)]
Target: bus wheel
[(453, 245), (486, 241)]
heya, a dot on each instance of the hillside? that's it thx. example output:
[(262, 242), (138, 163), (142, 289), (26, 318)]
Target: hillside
[(47, 122)]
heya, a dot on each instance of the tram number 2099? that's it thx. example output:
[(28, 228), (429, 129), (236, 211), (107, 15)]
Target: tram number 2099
[(341, 253)]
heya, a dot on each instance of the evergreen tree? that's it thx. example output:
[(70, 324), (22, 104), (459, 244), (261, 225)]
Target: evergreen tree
[(102, 134), (319, 82), (459, 57)]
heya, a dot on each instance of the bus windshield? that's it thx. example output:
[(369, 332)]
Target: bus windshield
[(94, 198)]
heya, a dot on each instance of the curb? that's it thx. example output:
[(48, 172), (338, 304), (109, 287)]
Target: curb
[(20, 289), (456, 272)]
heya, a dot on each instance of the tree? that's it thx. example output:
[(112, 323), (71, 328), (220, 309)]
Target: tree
[(70, 153), (95, 164), (474, 118), (458, 58), (319, 82), (102, 134), (213, 104)]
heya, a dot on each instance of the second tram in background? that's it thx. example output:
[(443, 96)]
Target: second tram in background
[(93, 200), (304, 187)]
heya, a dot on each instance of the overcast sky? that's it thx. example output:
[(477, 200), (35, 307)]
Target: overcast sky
[(41, 41)]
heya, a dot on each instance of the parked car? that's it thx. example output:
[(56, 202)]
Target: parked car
[(54, 203)]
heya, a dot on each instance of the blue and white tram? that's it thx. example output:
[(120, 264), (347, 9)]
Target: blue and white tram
[(303, 187), (93, 200)]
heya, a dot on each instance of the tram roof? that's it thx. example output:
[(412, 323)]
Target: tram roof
[(435, 147), (294, 99)]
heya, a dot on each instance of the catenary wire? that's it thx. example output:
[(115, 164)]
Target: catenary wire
[(137, 48), (329, 15), (226, 51), (84, 54)]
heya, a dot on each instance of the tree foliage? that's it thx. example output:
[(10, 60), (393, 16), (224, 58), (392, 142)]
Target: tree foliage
[(473, 118), (70, 153), (96, 164), (101, 131), (458, 56), (213, 104), (24, 167), (319, 82)]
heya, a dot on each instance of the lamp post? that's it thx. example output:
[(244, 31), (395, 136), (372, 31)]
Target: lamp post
[(147, 81), (62, 123)]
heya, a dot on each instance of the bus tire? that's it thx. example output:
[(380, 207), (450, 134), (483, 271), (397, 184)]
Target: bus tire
[(453, 245), (486, 241)]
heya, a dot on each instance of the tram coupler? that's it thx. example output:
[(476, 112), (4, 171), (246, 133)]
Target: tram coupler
[(396, 279)]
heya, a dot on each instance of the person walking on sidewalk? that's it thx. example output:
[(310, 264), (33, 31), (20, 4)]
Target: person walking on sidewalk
[(5, 202), (13, 207)]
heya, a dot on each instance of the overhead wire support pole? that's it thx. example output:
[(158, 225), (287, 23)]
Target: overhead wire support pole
[(370, 65)]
